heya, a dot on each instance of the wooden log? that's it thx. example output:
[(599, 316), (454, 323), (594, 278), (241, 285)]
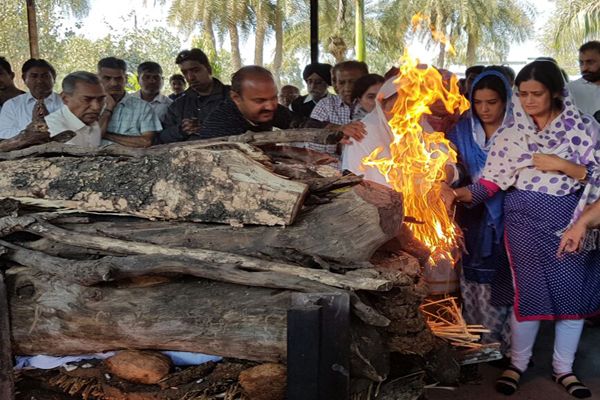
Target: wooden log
[(185, 183), (109, 268), (348, 230), (215, 257), (7, 384), (53, 317), (37, 145)]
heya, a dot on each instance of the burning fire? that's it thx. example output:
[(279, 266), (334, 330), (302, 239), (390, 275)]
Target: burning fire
[(438, 36), (417, 161)]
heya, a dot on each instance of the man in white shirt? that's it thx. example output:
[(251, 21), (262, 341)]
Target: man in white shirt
[(17, 112), (150, 78), (83, 97), (586, 90)]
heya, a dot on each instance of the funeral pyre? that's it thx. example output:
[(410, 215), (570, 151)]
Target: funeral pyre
[(201, 247)]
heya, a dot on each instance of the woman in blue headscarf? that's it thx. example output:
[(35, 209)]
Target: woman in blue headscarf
[(486, 285)]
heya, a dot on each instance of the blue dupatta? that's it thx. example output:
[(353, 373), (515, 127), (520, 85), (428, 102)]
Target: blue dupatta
[(470, 139)]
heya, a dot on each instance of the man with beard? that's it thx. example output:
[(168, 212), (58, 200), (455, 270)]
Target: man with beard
[(318, 79), (185, 117), (586, 90), (252, 107), (83, 97), (126, 119), (17, 113), (7, 85), (150, 78)]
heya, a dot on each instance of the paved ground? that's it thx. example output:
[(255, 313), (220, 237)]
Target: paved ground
[(536, 383)]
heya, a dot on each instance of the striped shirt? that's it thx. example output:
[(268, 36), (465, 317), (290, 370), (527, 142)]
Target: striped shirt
[(132, 116)]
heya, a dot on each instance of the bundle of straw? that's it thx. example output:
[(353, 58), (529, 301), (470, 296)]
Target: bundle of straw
[(444, 318)]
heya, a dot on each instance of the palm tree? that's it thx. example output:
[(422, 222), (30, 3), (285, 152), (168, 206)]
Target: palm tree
[(475, 25), (573, 23)]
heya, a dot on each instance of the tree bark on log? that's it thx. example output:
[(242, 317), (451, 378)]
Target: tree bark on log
[(193, 184), (54, 317), (348, 230)]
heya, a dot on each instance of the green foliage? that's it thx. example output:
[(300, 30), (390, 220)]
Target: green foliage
[(480, 30), (69, 51), (573, 23)]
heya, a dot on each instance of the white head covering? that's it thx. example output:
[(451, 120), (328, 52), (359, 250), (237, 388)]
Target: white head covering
[(379, 134), (570, 135)]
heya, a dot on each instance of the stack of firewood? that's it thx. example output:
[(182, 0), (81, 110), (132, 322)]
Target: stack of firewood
[(199, 247)]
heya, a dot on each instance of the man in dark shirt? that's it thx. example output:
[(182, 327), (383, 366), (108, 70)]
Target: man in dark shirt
[(252, 107), (318, 79), (186, 115)]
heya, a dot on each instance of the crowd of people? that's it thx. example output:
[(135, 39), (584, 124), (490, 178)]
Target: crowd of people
[(526, 184)]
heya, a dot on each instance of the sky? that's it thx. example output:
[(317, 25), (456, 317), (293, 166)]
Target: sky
[(116, 12)]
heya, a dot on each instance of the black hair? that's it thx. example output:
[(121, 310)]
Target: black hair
[(149, 66), (112, 63), (352, 64), (5, 65), (238, 78), (474, 69), (177, 77), (548, 73), (363, 83), (193, 55), (505, 70), (591, 45), (39, 63), (494, 83)]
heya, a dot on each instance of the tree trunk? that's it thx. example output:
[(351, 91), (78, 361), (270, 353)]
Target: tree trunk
[(360, 30), (278, 58), (185, 183), (34, 48), (441, 60), (50, 316), (471, 49), (234, 36), (208, 32), (262, 23)]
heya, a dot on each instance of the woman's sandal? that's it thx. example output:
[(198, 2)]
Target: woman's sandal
[(573, 385), (508, 382)]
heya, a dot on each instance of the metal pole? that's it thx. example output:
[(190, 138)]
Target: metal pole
[(314, 31), (34, 49)]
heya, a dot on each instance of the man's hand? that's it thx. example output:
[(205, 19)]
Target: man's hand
[(190, 126), (548, 162), (355, 130)]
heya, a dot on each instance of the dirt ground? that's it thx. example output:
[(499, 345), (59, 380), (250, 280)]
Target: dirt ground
[(536, 383)]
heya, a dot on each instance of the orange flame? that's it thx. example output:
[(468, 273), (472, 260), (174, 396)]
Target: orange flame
[(438, 36), (417, 160)]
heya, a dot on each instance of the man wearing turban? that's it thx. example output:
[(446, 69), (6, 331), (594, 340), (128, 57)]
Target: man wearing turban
[(318, 79)]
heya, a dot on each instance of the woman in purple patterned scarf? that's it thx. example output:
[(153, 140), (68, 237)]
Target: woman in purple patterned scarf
[(542, 158)]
